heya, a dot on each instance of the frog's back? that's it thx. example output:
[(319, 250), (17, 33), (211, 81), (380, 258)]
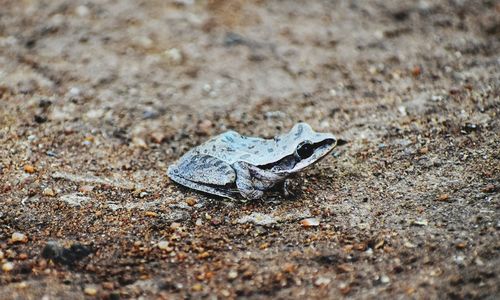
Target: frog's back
[(231, 147)]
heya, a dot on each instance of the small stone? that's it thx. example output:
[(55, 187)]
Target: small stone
[(461, 245), (157, 137), (191, 201), (85, 189), (1, 255), (385, 279), (360, 246), (225, 293), (379, 244), (174, 56), (264, 246), (175, 225), (150, 214), (163, 245), (309, 222), (443, 197), (18, 237), (197, 287), (140, 143), (74, 91), (408, 244), (90, 290), (258, 219), (204, 127), (232, 275), (48, 192), (423, 150), (420, 222), (82, 11), (29, 169), (322, 281), (344, 268), (416, 71), (344, 288), (7, 267), (108, 285)]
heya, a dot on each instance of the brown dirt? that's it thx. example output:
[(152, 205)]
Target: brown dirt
[(97, 98)]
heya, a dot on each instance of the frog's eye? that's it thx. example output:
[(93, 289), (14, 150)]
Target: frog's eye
[(305, 150)]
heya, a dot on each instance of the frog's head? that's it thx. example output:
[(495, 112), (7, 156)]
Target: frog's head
[(304, 147)]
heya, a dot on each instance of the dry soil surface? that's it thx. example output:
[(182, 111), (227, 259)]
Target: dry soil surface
[(97, 98)]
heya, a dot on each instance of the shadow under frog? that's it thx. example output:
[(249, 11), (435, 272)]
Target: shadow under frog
[(230, 164)]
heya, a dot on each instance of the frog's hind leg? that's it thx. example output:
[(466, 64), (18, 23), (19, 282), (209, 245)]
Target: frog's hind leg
[(204, 173), (203, 188)]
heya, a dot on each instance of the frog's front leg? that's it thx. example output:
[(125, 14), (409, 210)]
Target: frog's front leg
[(252, 181)]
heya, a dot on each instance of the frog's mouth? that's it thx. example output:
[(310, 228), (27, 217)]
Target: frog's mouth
[(306, 154)]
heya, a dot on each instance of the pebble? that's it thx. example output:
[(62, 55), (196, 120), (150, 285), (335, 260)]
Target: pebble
[(309, 222), (85, 189), (423, 150), (258, 219), (174, 56), (74, 199), (74, 91), (29, 169), (191, 201), (7, 267), (385, 279), (175, 225), (1, 255), (420, 222), (163, 245), (204, 126), (416, 71), (82, 11), (344, 288), (157, 137), (90, 290), (138, 142), (443, 197), (19, 237), (232, 275), (48, 192), (322, 281), (197, 287)]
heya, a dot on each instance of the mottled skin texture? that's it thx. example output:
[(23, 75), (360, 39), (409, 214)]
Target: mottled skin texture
[(230, 164)]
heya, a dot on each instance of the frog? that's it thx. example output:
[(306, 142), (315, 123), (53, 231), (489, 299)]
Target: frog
[(234, 166)]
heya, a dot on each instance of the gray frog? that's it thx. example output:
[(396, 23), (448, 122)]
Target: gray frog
[(231, 164)]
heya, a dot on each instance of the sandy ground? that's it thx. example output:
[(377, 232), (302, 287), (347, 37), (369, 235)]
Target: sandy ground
[(97, 98)]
